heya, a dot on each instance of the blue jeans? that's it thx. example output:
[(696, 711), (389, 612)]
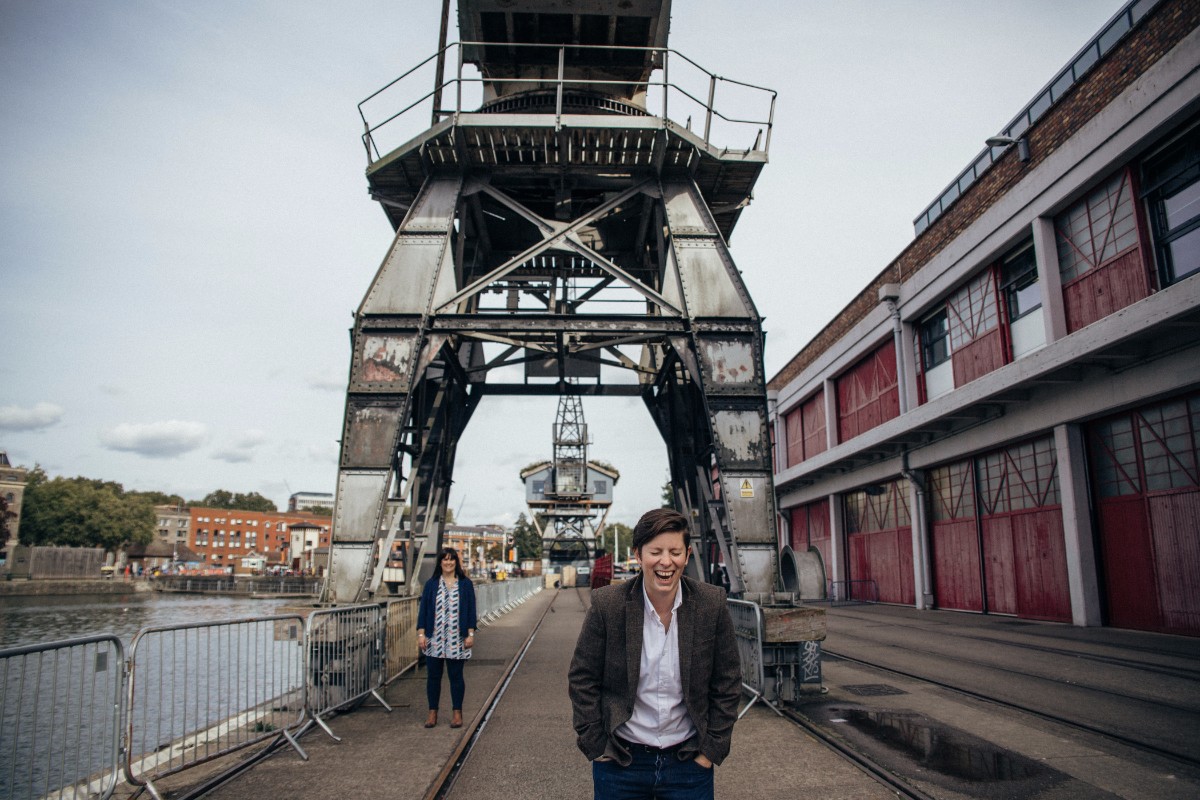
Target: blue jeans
[(652, 777), (433, 684)]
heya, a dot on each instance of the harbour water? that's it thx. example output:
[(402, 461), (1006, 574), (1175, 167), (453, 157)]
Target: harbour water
[(44, 619)]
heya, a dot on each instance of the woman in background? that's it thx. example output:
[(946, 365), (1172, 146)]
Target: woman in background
[(446, 632)]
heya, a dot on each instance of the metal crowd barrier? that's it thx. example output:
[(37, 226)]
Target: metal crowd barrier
[(188, 694), (748, 630), (492, 600), (201, 691), (401, 632), (60, 718), (346, 659)]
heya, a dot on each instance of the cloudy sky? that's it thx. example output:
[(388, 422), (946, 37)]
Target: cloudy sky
[(185, 229)]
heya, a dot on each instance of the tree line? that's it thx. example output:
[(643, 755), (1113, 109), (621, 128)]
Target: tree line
[(86, 512)]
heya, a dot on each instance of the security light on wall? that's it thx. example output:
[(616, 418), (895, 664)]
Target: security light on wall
[(1004, 141)]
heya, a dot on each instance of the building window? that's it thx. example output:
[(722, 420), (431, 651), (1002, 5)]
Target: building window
[(935, 339), (1172, 189), (1097, 229), (1021, 477), (601, 487), (1022, 293)]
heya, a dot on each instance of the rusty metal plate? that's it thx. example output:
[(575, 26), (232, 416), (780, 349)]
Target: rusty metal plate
[(370, 435), (741, 438), (730, 364), (384, 361)]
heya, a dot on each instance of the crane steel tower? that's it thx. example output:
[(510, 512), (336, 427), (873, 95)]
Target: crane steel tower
[(559, 230), (569, 491)]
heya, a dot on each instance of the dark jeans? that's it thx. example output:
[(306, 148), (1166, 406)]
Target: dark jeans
[(433, 686), (652, 777)]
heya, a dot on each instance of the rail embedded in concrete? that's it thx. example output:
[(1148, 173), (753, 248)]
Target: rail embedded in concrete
[(189, 694)]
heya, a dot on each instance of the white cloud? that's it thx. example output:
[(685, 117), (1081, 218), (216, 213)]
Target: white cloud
[(166, 439), (328, 382), (241, 449), (42, 415)]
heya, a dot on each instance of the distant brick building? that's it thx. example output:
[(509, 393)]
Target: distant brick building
[(1007, 419), (222, 538)]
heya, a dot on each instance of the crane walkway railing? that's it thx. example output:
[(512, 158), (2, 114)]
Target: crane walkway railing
[(691, 90)]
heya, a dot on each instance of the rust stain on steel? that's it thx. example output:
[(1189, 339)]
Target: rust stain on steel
[(730, 362), (386, 359), (740, 434)]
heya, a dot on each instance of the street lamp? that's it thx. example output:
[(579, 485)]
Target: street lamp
[(1004, 141)]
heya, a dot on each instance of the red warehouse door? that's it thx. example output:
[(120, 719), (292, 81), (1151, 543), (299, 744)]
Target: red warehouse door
[(879, 534), (957, 574), (1025, 561), (1145, 467)]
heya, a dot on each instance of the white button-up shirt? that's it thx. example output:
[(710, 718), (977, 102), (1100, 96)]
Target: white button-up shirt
[(660, 717)]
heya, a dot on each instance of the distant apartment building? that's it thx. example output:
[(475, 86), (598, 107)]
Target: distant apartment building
[(301, 501), (234, 540), (173, 524), (12, 489), (467, 539)]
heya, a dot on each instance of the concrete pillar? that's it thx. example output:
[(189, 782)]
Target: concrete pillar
[(837, 540), (921, 549), (831, 418), (779, 432), (1078, 533), (1045, 247)]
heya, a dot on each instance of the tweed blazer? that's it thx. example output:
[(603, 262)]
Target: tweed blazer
[(604, 671)]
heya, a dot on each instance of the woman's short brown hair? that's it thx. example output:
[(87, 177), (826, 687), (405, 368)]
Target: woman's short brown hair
[(657, 521)]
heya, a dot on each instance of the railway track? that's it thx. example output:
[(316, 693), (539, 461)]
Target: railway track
[(443, 785), (1076, 725)]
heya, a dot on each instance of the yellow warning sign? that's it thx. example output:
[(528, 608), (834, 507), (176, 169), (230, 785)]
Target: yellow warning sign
[(747, 489)]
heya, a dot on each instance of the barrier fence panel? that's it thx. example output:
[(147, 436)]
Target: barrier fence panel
[(748, 629), (200, 691), (401, 646), (60, 718), (346, 659), (495, 599)]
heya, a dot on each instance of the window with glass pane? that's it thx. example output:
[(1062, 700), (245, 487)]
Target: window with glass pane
[(952, 492), (1167, 447), (1172, 184), (1022, 292), (1097, 229), (972, 310), (1114, 458), (935, 339)]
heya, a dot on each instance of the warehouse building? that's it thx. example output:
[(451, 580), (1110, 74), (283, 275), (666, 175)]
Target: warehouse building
[(1007, 419)]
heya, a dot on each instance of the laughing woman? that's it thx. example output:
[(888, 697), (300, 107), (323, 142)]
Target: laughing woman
[(448, 613)]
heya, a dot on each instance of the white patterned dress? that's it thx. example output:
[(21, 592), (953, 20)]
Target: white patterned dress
[(447, 640)]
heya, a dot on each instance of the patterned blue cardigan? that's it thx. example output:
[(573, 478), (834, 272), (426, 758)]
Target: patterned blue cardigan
[(466, 605)]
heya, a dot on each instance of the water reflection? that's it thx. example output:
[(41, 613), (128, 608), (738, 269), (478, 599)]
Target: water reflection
[(38, 620)]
